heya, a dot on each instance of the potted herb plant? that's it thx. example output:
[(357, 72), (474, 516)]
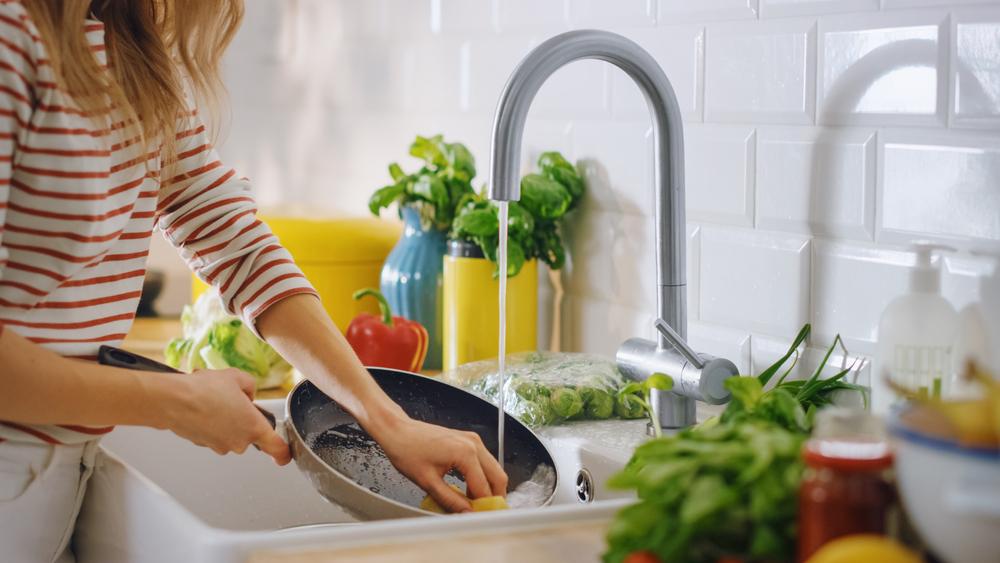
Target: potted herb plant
[(471, 323), (412, 275)]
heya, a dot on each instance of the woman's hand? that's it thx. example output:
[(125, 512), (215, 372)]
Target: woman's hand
[(214, 409), (425, 452)]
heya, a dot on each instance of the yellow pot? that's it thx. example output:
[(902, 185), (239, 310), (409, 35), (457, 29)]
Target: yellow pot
[(472, 310), (337, 256)]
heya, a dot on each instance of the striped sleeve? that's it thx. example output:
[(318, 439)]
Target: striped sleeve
[(17, 72), (210, 216)]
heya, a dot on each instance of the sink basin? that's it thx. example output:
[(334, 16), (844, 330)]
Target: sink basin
[(157, 497)]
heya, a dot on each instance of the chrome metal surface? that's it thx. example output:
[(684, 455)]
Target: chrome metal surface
[(675, 409), (584, 486), (678, 343)]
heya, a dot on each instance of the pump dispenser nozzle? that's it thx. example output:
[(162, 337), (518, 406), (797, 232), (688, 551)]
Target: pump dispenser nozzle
[(925, 277)]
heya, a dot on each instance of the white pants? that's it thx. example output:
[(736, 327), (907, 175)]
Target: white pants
[(41, 489)]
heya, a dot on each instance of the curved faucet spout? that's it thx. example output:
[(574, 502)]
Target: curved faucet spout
[(637, 358)]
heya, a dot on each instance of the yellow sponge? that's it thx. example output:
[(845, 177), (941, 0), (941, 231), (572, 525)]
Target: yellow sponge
[(484, 504)]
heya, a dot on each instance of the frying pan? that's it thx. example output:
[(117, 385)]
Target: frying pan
[(349, 469)]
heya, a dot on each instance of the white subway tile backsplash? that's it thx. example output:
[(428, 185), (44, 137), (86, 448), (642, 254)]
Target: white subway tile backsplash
[(719, 168), (961, 278), (680, 51), (613, 258), (975, 68), (785, 8), (484, 72), (883, 69), (521, 15), (896, 4), (816, 181), (851, 285), (436, 76), (540, 136), (600, 327), (755, 281), (613, 13), (619, 175), (939, 186), (763, 71), (463, 17), (579, 88), (723, 342), (672, 11)]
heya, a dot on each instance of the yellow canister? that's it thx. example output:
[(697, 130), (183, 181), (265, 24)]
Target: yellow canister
[(337, 255), (472, 310)]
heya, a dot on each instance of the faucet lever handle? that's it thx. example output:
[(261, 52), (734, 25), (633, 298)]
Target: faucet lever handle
[(671, 335)]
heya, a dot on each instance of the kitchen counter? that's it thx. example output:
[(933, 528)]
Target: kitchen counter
[(575, 543)]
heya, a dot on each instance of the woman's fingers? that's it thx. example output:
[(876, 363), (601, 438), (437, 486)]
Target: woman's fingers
[(274, 446), (475, 480), (493, 471), (449, 499)]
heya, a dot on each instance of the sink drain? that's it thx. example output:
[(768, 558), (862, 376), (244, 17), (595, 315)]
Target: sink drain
[(584, 486)]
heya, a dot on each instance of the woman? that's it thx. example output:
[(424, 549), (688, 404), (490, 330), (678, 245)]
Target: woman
[(99, 145)]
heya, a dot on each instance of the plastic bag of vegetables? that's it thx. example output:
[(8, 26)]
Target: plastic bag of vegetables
[(213, 339), (544, 388)]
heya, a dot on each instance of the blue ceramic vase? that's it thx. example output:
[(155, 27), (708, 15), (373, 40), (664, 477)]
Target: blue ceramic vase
[(412, 280)]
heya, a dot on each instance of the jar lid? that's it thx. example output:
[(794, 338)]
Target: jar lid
[(848, 455), (464, 249)]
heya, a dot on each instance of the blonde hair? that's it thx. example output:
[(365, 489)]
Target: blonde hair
[(154, 48)]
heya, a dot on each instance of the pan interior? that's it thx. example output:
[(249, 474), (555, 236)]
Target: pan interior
[(336, 438)]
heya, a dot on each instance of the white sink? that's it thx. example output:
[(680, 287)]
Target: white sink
[(156, 497)]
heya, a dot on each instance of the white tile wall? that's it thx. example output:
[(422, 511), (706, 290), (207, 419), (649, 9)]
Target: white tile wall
[(882, 69), (939, 185), (789, 221), (719, 164), (761, 71), (975, 68), (680, 50), (816, 181)]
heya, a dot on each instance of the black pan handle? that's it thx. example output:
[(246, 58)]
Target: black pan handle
[(116, 357)]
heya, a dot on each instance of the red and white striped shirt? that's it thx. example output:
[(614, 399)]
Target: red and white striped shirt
[(77, 210)]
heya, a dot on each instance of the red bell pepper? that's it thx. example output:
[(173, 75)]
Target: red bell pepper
[(387, 342)]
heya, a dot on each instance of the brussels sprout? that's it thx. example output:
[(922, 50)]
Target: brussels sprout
[(600, 406), (535, 414), (544, 391), (631, 410), (566, 402), (586, 393), (524, 389)]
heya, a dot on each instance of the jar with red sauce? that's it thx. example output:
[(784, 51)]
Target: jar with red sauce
[(847, 487)]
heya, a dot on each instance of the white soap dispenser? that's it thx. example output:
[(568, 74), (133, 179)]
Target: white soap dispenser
[(916, 334)]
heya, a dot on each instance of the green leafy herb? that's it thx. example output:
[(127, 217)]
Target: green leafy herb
[(436, 189), (631, 392), (532, 222), (728, 487)]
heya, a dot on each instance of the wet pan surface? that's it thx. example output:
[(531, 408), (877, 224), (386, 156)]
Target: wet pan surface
[(326, 439)]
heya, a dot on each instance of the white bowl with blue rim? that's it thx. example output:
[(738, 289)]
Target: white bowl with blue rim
[(950, 492)]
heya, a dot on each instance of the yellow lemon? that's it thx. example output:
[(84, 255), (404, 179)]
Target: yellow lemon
[(864, 548)]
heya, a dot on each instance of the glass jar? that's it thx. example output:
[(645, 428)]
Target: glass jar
[(847, 487)]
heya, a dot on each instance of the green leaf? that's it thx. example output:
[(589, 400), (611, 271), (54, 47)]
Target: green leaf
[(385, 196), (429, 150), (746, 390), (657, 381), (708, 494), (396, 172), (477, 223), (431, 188), (544, 197), (630, 389), (766, 375)]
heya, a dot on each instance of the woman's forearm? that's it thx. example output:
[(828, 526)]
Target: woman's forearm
[(38, 386), (301, 331)]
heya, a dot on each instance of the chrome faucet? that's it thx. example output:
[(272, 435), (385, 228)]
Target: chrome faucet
[(696, 376)]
